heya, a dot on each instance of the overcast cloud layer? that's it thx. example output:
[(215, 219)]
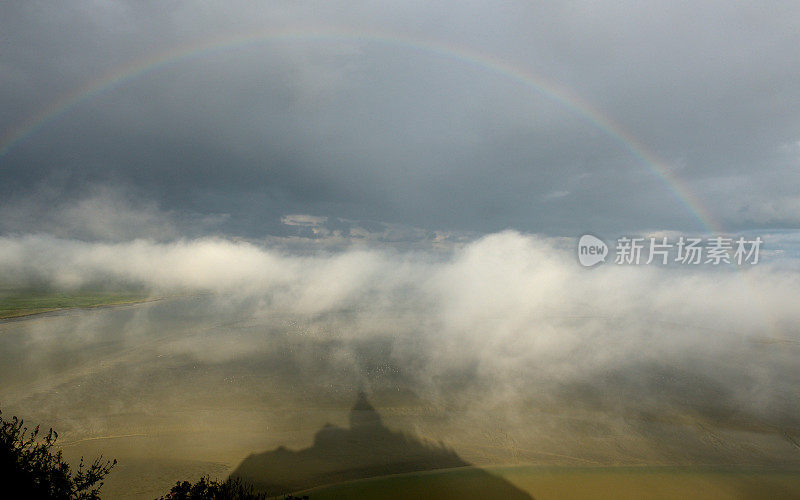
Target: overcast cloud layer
[(357, 129)]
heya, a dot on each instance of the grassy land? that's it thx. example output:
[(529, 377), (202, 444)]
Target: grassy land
[(23, 303)]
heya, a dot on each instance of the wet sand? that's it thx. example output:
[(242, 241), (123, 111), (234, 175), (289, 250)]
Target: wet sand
[(189, 386)]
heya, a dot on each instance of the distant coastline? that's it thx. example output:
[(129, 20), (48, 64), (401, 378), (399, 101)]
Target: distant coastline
[(20, 314)]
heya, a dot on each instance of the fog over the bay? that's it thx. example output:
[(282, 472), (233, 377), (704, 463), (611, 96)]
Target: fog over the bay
[(508, 314)]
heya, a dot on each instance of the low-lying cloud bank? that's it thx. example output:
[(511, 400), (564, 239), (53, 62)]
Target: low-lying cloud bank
[(506, 317), (506, 275)]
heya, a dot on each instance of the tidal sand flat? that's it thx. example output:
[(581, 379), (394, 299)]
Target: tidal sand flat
[(213, 385), (575, 483)]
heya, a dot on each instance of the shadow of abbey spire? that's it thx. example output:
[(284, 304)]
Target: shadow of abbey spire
[(366, 449)]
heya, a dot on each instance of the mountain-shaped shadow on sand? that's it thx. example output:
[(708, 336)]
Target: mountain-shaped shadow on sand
[(367, 449)]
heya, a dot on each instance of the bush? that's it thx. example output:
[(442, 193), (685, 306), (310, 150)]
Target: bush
[(208, 489), (30, 468)]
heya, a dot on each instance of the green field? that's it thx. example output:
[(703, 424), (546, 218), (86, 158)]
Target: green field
[(24, 303), (573, 483)]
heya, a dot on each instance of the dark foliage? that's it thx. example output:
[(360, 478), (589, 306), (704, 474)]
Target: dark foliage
[(31, 469), (209, 489)]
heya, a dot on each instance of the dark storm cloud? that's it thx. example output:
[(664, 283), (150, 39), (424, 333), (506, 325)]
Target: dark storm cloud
[(364, 130)]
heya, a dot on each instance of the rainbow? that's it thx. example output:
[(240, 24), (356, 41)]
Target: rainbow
[(563, 96), (558, 94)]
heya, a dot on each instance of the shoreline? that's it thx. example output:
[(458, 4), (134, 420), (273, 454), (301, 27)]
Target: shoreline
[(22, 316)]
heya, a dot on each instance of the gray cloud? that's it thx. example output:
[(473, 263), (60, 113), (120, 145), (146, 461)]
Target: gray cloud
[(360, 129)]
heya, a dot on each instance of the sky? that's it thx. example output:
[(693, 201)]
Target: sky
[(423, 118)]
